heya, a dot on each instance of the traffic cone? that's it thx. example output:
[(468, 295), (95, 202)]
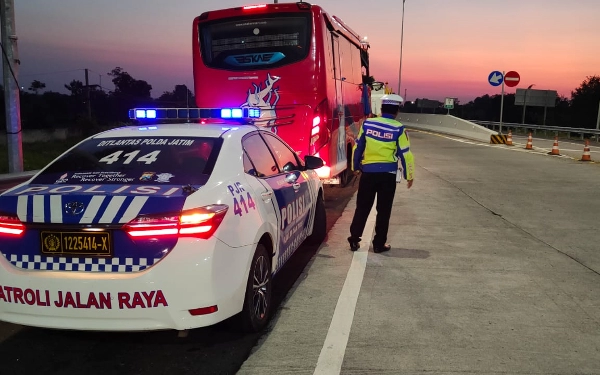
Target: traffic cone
[(509, 138), (554, 150), (529, 145), (586, 152)]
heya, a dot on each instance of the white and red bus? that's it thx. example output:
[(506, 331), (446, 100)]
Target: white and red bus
[(301, 66)]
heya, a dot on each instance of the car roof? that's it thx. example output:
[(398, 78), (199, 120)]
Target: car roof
[(176, 130)]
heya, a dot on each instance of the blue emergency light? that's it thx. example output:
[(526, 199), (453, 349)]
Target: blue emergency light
[(193, 113)]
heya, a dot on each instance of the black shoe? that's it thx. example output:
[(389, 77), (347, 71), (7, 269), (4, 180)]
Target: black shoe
[(354, 245), (381, 249)]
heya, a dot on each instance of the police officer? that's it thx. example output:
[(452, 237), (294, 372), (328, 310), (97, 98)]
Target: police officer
[(382, 141)]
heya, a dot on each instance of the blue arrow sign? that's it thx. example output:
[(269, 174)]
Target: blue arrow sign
[(495, 78)]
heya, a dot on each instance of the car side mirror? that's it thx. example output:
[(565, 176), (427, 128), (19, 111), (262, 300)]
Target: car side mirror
[(289, 167), (313, 162)]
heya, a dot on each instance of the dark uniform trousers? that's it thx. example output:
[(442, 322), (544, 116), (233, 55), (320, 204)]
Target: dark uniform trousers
[(382, 185)]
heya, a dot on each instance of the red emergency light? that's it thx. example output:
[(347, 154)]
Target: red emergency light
[(258, 6)]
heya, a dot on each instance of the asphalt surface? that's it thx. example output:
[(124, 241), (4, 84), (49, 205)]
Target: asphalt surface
[(215, 350), (567, 148), (494, 269)]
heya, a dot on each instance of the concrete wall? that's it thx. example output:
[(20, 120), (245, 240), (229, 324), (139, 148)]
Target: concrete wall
[(447, 124)]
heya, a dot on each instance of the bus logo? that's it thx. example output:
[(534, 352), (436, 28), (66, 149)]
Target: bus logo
[(265, 98), (255, 59)]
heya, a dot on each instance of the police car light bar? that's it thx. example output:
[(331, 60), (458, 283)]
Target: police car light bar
[(193, 113)]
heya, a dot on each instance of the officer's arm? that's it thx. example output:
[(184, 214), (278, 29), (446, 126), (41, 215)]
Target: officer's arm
[(358, 150), (406, 157)]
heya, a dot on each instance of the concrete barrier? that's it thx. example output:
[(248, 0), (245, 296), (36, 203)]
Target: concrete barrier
[(448, 124)]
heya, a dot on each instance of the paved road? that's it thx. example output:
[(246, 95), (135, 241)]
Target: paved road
[(494, 269), (215, 350)]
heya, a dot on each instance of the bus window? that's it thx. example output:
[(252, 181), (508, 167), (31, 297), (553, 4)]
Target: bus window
[(255, 43)]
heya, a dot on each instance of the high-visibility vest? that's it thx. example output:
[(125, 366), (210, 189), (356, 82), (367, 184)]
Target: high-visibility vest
[(382, 142)]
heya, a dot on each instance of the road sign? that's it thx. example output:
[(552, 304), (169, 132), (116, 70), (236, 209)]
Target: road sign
[(449, 103), (512, 78), (495, 78)]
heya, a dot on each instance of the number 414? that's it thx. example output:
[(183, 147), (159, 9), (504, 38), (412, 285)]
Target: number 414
[(247, 203)]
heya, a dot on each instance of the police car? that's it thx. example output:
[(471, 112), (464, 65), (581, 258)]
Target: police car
[(152, 227)]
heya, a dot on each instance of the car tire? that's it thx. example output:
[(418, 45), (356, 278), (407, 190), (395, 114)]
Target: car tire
[(320, 225), (257, 301)]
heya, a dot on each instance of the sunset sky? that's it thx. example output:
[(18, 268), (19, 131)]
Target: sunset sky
[(450, 47)]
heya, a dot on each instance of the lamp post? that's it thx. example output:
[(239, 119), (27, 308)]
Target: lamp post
[(401, 41), (525, 103)]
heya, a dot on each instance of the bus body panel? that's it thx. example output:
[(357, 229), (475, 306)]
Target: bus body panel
[(317, 100)]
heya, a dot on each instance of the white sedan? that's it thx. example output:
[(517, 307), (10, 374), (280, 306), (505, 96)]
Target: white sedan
[(172, 226)]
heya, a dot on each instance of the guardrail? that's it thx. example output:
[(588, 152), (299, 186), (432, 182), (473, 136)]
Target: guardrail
[(530, 127), (12, 179)]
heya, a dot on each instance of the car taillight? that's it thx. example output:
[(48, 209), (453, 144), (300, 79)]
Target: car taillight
[(11, 225), (199, 222)]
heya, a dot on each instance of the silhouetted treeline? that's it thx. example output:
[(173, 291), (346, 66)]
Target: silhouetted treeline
[(47, 110)]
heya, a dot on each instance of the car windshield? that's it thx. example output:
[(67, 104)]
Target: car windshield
[(148, 160)]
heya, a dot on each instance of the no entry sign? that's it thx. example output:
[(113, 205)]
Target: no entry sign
[(512, 78)]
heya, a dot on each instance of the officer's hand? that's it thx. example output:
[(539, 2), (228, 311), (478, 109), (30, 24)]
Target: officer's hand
[(409, 184)]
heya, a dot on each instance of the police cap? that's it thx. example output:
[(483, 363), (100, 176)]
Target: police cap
[(392, 99)]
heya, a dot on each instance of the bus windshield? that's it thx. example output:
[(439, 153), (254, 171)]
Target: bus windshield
[(263, 42)]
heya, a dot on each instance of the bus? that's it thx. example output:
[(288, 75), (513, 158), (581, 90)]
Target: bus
[(301, 66)]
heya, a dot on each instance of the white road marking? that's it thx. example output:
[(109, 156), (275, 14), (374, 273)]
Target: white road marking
[(333, 351), (592, 147), (516, 146)]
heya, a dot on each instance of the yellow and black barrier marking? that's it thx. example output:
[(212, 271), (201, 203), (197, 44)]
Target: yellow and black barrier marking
[(499, 139)]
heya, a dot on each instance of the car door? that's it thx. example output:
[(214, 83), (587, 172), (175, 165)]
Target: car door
[(293, 196), (259, 166)]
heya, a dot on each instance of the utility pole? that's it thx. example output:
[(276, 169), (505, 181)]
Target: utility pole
[(12, 103), (87, 95), (401, 42)]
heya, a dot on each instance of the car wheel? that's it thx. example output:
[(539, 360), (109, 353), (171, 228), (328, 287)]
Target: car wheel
[(257, 303), (320, 225)]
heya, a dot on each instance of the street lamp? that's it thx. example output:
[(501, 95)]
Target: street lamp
[(401, 41), (525, 103)]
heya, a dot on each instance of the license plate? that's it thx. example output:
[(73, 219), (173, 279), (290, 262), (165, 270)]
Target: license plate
[(76, 243)]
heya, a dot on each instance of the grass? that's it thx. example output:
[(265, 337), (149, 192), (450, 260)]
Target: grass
[(37, 154)]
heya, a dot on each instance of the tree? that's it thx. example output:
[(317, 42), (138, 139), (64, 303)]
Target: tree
[(36, 86), (129, 93), (75, 87), (584, 103), (180, 97), (127, 86)]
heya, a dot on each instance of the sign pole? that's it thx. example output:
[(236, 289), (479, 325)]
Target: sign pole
[(501, 104)]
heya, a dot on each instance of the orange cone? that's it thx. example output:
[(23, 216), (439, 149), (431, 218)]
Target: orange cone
[(529, 145), (554, 150), (509, 138), (586, 152)]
